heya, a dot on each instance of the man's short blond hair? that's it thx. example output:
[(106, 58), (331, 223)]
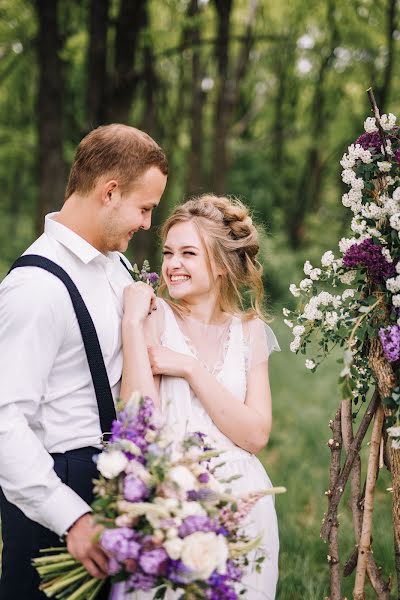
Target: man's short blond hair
[(116, 151)]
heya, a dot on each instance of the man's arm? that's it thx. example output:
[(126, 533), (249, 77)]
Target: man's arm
[(33, 319)]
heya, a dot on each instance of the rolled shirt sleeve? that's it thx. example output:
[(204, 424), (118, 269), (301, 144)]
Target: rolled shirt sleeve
[(32, 327)]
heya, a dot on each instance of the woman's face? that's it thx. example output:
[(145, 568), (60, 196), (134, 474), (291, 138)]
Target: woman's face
[(185, 266)]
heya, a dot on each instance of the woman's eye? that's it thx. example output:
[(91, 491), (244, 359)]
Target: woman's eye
[(165, 252), (191, 253)]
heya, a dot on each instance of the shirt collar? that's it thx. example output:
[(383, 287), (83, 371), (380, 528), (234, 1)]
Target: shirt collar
[(71, 240)]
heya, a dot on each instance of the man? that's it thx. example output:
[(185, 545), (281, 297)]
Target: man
[(50, 406)]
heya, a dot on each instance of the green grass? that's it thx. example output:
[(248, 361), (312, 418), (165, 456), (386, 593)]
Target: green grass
[(297, 457)]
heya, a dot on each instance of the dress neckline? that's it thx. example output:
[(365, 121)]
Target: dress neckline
[(218, 367)]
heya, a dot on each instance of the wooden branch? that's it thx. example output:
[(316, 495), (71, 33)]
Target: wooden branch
[(335, 445), (375, 110), (381, 588), (365, 539), (336, 493)]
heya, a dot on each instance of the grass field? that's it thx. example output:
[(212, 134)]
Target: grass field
[(297, 456)]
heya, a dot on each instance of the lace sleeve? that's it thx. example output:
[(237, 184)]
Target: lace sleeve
[(260, 341), (154, 325)]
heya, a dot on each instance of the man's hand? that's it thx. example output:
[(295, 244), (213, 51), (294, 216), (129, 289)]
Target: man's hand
[(81, 546)]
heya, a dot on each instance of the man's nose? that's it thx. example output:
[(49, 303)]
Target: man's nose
[(146, 223)]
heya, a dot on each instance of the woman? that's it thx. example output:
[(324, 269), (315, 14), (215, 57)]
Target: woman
[(206, 365)]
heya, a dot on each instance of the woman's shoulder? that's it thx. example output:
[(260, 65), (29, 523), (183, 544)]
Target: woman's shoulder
[(257, 332)]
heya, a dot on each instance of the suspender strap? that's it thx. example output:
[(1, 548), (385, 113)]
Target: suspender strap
[(94, 355)]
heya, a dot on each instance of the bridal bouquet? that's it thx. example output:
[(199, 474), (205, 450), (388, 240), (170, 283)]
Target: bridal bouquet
[(352, 299), (169, 522)]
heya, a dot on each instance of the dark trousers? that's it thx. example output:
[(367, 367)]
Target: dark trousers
[(23, 538)]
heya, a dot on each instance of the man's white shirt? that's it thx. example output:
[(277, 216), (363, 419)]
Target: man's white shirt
[(47, 399)]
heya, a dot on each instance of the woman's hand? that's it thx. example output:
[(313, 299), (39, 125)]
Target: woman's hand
[(139, 301), (164, 361)]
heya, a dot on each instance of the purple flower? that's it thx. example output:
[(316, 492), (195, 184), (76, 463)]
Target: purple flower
[(390, 340), (154, 562), (141, 581), (113, 566), (203, 477), (397, 155), (220, 588), (179, 573), (202, 494), (197, 523), (120, 543), (373, 141), (370, 141), (369, 255), (135, 489)]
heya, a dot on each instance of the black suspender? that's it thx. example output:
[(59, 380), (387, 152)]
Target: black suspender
[(94, 355)]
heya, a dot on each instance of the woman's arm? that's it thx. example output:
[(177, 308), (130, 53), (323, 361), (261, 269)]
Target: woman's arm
[(139, 329), (247, 424)]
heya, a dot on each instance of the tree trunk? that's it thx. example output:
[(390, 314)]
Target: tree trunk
[(97, 83), (51, 167), (224, 87), (130, 23), (384, 89), (195, 167)]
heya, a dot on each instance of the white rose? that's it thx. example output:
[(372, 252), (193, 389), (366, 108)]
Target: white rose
[(327, 258), (203, 552), (310, 364), (370, 125), (305, 284), (190, 509), (384, 166), (173, 548), (294, 290), (315, 273), (394, 431), (112, 463), (307, 267), (396, 300), (298, 330), (396, 194), (295, 345), (388, 121), (183, 477)]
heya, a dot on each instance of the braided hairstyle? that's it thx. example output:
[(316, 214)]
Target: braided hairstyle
[(231, 242)]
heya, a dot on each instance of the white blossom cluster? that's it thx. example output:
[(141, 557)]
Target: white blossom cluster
[(387, 123), (355, 152)]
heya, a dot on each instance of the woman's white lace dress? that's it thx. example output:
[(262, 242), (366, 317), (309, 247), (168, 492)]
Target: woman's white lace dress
[(228, 351)]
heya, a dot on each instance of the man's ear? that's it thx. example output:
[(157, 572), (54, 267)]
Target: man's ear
[(108, 189)]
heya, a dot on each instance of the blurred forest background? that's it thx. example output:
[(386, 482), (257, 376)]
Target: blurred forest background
[(255, 98)]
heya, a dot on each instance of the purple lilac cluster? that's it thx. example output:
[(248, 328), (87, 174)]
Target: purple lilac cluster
[(221, 584), (134, 428), (150, 278), (122, 543), (369, 255), (135, 490), (390, 340), (372, 141), (197, 523)]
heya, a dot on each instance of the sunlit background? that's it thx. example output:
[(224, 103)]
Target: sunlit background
[(257, 99)]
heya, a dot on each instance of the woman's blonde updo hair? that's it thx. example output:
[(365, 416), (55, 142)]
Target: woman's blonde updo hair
[(231, 242)]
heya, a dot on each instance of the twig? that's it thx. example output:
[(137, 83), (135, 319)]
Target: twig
[(335, 445), (336, 493), (365, 539), (375, 110), (374, 573)]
